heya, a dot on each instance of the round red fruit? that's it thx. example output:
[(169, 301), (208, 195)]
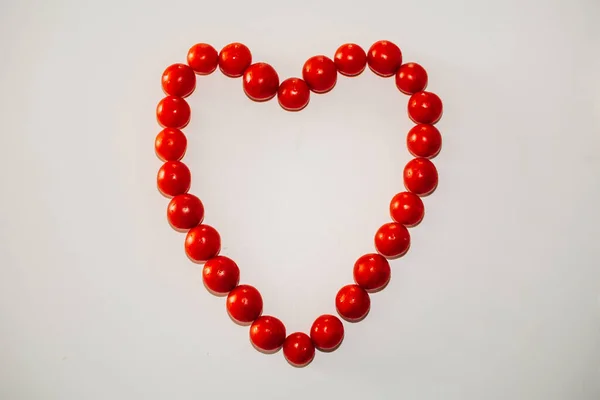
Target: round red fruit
[(202, 243), (350, 59), (185, 211), (392, 240), (327, 332), (352, 303), (320, 74), (420, 176), (260, 82), (372, 272), (244, 304), (220, 275), (173, 178)]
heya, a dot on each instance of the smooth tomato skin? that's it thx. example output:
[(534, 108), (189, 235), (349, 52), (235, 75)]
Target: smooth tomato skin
[(327, 332), (267, 333), (384, 58), (424, 140), (185, 211), (220, 275), (372, 272), (179, 80), (392, 240), (411, 78), (350, 59), (244, 304), (203, 58), (170, 144), (320, 74), (407, 208), (260, 82), (234, 59), (202, 243), (173, 178), (425, 108), (293, 94), (298, 349), (420, 176), (352, 303), (173, 112)]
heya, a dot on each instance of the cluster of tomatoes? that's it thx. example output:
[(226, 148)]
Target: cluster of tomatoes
[(372, 272)]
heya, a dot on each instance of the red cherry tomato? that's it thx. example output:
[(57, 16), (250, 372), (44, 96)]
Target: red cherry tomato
[(392, 240), (203, 58), (407, 208), (298, 349), (220, 275), (293, 94), (185, 211), (352, 303), (411, 78), (350, 59), (173, 112), (244, 304), (173, 178), (267, 333), (424, 140), (260, 82), (372, 272), (179, 80), (420, 176), (425, 108), (384, 58), (320, 74), (202, 243), (234, 59), (170, 144), (327, 332)]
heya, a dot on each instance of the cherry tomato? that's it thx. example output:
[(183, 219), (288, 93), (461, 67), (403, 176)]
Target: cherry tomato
[(411, 78), (203, 58), (267, 334), (424, 140), (179, 80), (384, 58), (234, 59), (425, 108), (244, 304), (220, 275), (352, 303), (202, 243), (320, 74), (293, 94), (392, 240), (173, 112), (185, 211), (170, 144), (372, 272), (173, 178), (420, 176), (298, 349), (327, 332), (350, 59), (407, 208), (260, 82)]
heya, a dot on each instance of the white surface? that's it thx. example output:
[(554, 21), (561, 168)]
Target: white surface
[(499, 297)]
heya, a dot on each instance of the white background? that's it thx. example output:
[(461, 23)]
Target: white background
[(498, 298)]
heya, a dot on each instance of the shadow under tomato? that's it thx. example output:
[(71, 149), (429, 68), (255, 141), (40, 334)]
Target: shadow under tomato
[(333, 348), (352, 321), (268, 352), (240, 323), (209, 290)]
